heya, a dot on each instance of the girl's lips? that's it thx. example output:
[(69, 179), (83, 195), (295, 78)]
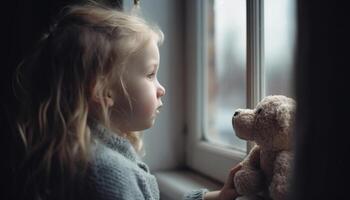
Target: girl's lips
[(159, 107)]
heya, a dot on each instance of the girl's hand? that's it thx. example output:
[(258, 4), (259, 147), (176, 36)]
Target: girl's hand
[(228, 191)]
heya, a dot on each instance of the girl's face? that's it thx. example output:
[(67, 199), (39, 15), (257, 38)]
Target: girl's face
[(144, 91)]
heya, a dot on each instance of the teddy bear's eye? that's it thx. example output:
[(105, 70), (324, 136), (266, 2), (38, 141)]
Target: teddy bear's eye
[(259, 111)]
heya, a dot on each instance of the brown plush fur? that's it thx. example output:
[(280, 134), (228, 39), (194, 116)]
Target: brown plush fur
[(267, 167)]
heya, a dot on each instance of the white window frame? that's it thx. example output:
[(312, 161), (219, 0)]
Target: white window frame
[(216, 161)]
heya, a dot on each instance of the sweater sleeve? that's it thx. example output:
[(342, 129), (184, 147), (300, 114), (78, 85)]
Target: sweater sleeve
[(195, 194)]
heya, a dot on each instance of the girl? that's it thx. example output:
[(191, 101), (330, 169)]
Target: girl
[(86, 92)]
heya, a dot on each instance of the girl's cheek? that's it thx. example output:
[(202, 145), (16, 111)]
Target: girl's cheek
[(147, 105)]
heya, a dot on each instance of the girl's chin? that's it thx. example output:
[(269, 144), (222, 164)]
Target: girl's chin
[(151, 123), (146, 125)]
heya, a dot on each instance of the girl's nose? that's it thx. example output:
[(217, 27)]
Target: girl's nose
[(160, 91)]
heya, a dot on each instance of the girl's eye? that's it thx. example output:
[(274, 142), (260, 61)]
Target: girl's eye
[(151, 75)]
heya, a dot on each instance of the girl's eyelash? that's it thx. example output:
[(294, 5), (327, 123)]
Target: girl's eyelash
[(151, 75)]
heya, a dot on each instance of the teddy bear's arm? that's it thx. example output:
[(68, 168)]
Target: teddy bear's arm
[(279, 184), (253, 158), (249, 180)]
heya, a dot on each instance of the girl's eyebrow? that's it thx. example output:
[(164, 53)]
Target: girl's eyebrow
[(154, 65)]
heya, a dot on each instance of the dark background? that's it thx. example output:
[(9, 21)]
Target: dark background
[(23, 23), (322, 86)]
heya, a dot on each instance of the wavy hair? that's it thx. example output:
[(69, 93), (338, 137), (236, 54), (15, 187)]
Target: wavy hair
[(87, 44)]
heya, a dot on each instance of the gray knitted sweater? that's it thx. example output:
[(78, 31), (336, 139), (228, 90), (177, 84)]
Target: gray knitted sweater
[(117, 173)]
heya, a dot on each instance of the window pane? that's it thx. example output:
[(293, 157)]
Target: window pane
[(279, 46), (225, 42)]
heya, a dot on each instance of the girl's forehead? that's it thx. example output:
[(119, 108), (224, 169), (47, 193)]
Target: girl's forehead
[(148, 54)]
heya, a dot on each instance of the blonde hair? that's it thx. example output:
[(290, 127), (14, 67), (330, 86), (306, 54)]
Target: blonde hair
[(85, 46)]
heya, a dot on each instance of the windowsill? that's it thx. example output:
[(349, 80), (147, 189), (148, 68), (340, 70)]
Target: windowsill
[(174, 184)]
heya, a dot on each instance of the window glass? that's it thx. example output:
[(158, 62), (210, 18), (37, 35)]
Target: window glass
[(225, 67), (279, 36)]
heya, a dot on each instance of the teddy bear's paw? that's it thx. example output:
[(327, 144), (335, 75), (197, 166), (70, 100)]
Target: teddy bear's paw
[(278, 191), (248, 181)]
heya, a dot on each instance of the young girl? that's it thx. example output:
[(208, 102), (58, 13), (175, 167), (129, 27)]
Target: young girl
[(86, 92)]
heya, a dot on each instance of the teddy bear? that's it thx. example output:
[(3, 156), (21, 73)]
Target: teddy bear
[(266, 169)]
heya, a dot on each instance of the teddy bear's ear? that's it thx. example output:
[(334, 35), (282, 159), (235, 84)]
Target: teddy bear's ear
[(285, 115)]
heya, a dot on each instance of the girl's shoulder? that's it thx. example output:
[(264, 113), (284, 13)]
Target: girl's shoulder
[(116, 170), (112, 173), (115, 154)]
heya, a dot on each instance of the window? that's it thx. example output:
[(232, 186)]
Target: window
[(224, 68), (279, 34), (239, 52)]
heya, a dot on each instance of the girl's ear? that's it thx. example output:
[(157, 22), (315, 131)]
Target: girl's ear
[(98, 96), (109, 99)]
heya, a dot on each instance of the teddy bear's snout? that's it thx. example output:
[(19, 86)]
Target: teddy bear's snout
[(234, 115)]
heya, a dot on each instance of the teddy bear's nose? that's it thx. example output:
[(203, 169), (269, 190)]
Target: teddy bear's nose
[(236, 113)]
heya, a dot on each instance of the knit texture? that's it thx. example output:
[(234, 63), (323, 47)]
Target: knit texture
[(115, 170), (195, 194), (117, 173)]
